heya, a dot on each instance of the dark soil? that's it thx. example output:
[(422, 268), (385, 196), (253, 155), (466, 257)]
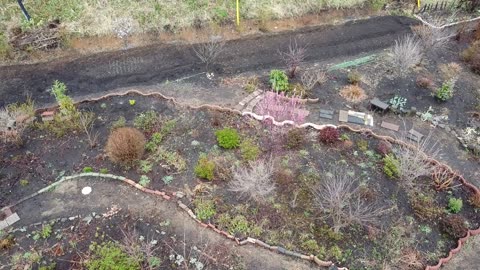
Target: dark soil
[(155, 64), (285, 219)]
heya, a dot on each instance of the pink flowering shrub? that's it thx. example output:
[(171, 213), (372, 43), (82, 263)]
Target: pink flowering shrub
[(282, 107)]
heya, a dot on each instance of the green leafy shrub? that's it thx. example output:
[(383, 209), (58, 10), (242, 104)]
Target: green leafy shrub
[(239, 225), (278, 80), (445, 92), (228, 138), (295, 138), (310, 246), (362, 145), (146, 120), (455, 205), (87, 169), (390, 166), (335, 252), (144, 181), (249, 150), (205, 168), (154, 142), (109, 256), (204, 209), (67, 107), (121, 122), (146, 166), (103, 170)]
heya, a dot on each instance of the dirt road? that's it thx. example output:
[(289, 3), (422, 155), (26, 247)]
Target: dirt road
[(155, 64)]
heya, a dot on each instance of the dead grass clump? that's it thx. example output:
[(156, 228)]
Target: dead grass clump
[(353, 93), (454, 225), (310, 78), (125, 145), (425, 82), (450, 71), (406, 53), (433, 38), (474, 200)]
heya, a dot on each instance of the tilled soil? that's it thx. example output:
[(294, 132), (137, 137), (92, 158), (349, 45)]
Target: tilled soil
[(155, 64)]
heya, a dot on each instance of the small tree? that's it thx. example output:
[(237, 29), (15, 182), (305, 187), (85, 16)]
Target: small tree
[(293, 57), (208, 52), (338, 197)]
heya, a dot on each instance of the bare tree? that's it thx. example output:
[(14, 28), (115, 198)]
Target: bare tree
[(87, 120), (311, 77), (406, 53), (293, 57), (433, 38), (412, 159), (338, 197), (208, 52), (254, 181)]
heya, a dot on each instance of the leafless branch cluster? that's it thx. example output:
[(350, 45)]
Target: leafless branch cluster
[(311, 77), (406, 53), (87, 120), (10, 129), (412, 161), (209, 51), (433, 38), (141, 250), (293, 57), (339, 198), (254, 181)]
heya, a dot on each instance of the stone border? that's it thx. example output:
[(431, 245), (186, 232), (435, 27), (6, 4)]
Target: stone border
[(442, 261)]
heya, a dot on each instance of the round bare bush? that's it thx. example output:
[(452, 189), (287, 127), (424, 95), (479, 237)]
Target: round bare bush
[(125, 145), (353, 93)]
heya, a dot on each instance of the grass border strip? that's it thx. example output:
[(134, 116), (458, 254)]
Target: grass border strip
[(442, 261)]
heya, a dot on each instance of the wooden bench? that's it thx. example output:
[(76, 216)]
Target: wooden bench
[(390, 126), (378, 104), (327, 114)]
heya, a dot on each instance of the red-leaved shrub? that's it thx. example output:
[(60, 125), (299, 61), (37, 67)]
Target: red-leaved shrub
[(329, 135), (425, 82), (384, 148)]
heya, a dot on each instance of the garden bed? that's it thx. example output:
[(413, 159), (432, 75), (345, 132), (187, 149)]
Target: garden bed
[(182, 146)]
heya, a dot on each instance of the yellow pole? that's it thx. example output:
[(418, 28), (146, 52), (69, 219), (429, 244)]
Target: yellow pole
[(418, 3), (238, 12)]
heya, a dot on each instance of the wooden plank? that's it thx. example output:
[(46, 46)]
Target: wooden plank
[(379, 104), (413, 138), (343, 116), (390, 126)]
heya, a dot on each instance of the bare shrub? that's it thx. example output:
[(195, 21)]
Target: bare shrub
[(125, 145), (338, 197), (11, 128), (425, 82), (208, 52), (353, 93), (141, 250), (87, 120), (406, 53), (412, 160), (293, 57), (310, 78), (254, 181), (433, 38)]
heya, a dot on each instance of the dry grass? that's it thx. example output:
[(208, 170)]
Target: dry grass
[(406, 53), (433, 38), (310, 78), (93, 17), (353, 93), (125, 145)]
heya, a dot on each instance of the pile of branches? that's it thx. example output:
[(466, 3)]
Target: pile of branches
[(45, 38)]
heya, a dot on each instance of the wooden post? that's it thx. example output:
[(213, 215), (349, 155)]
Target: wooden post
[(238, 12), (418, 4)]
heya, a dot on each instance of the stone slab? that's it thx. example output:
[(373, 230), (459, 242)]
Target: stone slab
[(413, 138), (416, 133), (343, 116), (3, 224), (356, 120), (326, 112), (12, 219), (326, 116), (390, 126)]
